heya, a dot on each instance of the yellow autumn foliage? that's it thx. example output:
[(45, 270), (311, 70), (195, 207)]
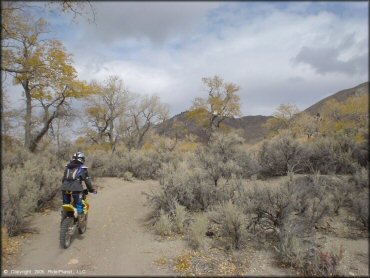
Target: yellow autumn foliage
[(350, 117), (222, 102)]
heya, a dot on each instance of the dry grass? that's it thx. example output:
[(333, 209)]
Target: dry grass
[(214, 262), (10, 248), (163, 226), (163, 261), (197, 231)]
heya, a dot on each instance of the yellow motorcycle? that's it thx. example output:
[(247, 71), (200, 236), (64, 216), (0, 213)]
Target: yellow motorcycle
[(72, 221)]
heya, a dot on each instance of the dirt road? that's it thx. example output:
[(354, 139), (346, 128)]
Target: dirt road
[(116, 241)]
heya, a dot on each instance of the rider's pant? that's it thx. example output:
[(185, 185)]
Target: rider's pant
[(77, 196)]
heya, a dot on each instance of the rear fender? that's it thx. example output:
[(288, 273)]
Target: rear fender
[(69, 208)]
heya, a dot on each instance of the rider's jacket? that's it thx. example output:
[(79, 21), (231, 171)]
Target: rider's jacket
[(74, 173)]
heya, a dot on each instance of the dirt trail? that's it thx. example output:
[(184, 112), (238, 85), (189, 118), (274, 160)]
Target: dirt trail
[(116, 241)]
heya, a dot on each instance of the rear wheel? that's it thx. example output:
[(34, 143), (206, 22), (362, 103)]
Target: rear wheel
[(66, 229), (82, 224)]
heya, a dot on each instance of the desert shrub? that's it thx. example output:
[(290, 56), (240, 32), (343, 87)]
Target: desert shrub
[(104, 164), (64, 151), (182, 183), (222, 157), (249, 164), (322, 263), (98, 161), (128, 176), (322, 155), (281, 155), (159, 201), (340, 196), (345, 163), (165, 149), (115, 166), (191, 187), (301, 201), (12, 217), (360, 153), (338, 191), (197, 231), (163, 225), (16, 158), (361, 211), (28, 187), (231, 222), (361, 178), (291, 248), (310, 198), (180, 217), (306, 255), (198, 181), (143, 164), (267, 208), (327, 155)]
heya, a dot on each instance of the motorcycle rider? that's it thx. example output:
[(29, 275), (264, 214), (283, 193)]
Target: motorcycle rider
[(74, 173)]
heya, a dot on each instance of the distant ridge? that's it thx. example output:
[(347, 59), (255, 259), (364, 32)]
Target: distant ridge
[(251, 127)]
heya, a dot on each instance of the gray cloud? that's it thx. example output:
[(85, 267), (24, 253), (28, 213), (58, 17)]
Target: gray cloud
[(327, 59), (156, 21)]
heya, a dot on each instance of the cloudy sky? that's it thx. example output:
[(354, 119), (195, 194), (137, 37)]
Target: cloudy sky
[(277, 52)]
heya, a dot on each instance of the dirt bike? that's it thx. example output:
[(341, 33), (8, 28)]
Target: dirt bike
[(72, 221)]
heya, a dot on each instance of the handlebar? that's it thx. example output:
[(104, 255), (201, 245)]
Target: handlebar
[(86, 192)]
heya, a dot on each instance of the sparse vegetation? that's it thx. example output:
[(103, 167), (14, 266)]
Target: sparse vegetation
[(361, 210), (197, 232), (231, 222), (163, 225), (180, 218)]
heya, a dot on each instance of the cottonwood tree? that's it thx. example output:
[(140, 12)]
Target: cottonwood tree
[(12, 9), (306, 124), (143, 113), (283, 118), (163, 117), (44, 70), (104, 107), (76, 8), (222, 102)]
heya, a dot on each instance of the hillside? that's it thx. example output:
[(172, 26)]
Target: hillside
[(339, 96), (251, 127)]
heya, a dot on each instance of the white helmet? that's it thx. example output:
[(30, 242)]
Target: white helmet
[(79, 156)]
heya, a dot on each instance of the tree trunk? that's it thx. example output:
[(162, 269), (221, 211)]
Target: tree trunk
[(42, 132), (111, 139), (28, 117), (47, 122), (58, 135)]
